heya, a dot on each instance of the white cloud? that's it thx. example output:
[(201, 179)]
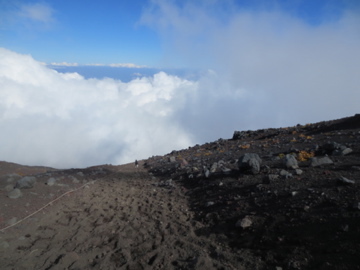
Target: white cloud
[(115, 65), (37, 12), (279, 69), (64, 120), (64, 64)]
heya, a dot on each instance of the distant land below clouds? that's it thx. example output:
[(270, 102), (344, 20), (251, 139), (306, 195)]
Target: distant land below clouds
[(122, 73)]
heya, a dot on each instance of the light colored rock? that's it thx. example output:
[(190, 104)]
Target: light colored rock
[(214, 167), (226, 170), (346, 151), (244, 223), (51, 181), (320, 161), (298, 172), (210, 203), (291, 162), (346, 181), (15, 193)]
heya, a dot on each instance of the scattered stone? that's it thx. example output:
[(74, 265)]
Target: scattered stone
[(26, 182), (51, 181), (298, 172), (250, 162), (244, 223), (206, 172), (285, 174), (15, 193), (209, 203), (291, 162), (320, 161), (172, 159), (346, 181), (346, 151), (226, 170), (214, 167)]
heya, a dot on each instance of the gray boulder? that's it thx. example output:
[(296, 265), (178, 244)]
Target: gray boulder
[(250, 162), (320, 161), (26, 182), (51, 181), (15, 193), (342, 151), (291, 162)]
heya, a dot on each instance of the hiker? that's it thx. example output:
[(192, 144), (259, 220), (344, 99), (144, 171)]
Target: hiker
[(136, 163)]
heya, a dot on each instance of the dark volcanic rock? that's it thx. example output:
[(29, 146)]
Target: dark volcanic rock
[(300, 211)]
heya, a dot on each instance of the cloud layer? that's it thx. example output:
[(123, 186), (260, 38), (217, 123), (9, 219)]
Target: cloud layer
[(286, 69), (64, 120)]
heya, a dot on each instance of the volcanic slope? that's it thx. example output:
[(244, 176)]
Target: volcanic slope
[(194, 208)]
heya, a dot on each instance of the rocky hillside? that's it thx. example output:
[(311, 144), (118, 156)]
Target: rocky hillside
[(289, 195), (285, 198)]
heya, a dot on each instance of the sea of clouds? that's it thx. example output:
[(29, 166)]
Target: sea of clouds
[(261, 74), (64, 120)]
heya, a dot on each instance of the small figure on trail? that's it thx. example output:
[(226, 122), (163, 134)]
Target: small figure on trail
[(136, 163)]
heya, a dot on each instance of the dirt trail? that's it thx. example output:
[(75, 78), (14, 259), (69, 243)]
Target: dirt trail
[(125, 220)]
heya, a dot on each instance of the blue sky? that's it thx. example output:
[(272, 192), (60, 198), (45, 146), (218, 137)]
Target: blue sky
[(79, 31), (112, 31), (258, 64)]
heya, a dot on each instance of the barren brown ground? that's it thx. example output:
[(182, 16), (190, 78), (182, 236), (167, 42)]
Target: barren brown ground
[(119, 220)]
